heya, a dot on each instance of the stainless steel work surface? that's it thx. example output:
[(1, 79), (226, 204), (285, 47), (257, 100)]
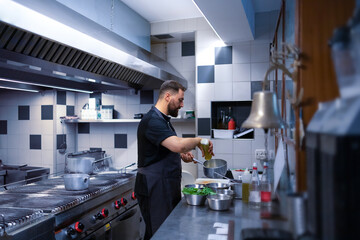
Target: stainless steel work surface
[(196, 222)]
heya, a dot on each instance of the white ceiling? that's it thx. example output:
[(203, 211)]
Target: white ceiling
[(167, 10)]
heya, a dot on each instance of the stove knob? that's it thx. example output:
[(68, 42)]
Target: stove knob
[(123, 201), (79, 227), (104, 212), (70, 232), (133, 196), (117, 204)]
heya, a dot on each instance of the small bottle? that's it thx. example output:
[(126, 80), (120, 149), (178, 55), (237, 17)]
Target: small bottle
[(222, 121), (205, 143), (231, 124), (255, 196), (265, 187), (246, 178)]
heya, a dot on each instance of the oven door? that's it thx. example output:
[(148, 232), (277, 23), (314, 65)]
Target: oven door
[(127, 226)]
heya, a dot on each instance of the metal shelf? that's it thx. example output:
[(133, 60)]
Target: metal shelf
[(173, 120)]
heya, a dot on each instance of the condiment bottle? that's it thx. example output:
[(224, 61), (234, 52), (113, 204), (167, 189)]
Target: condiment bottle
[(265, 187), (246, 178), (231, 124), (255, 196), (205, 146)]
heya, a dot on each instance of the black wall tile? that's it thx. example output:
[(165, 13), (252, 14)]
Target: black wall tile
[(120, 140), (206, 74), (256, 86), (3, 126), (204, 126), (70, 110), (84, 128), (24, 112), (35, 141), (223, 55), (147, 97), (60, 140), (61, 98), (46, 112), (188, 48), (188, 135)]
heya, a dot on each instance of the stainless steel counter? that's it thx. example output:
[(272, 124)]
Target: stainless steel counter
[(196, 222)]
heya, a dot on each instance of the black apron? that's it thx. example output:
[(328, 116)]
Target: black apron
[(158, 190)]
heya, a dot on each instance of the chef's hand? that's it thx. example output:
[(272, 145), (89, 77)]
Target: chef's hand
[(187, 157)]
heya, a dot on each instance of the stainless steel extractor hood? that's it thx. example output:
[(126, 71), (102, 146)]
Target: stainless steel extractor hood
[(49, 44)]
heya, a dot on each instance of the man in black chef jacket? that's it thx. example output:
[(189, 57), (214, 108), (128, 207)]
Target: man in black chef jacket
[(158, 181)]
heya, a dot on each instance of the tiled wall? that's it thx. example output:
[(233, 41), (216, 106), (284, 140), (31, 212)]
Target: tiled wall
[(226, 73), (30, 129)]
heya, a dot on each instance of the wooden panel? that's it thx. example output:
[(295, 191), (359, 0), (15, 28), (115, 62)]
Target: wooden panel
[(315, 23)]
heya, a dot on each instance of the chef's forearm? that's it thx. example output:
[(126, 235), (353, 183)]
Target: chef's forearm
[(181, 145)]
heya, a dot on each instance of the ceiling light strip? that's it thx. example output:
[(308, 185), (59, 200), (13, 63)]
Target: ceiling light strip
[(19, 89), (208, 21), (45, 85)]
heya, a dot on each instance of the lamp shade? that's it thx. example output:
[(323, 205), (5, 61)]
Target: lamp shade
[(264, 112)]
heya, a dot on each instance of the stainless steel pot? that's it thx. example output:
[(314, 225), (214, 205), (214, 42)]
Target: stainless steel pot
[(80, 165), (76, 181), (213, 166)]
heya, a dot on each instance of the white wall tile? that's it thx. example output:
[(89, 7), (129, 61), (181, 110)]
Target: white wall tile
[(227, 157), (132, 141), (13, 141), (95, 140), (224, 91), (35, 113), (3, 141), (132, 98), (223, 73), (205, 56), (242, 146), (121, 109), (241, 91), (24, 127), (11, 112), (13, 127), (96, 128), (205, 92), (241, 72), (260, 52), (47, 97), (176, 62), (159, 50), (107, 99), (131, 110), (188, 63), (189, 99), (144, 108), (190, 77), (173, 49), (70, 98), (242, 161), (24, 157), (47, 127), (223, 146), (120, 128), (84, 141), (107, 140), (24, 141), (258, 71), (35, 157), (4, 156), (36, 126), (206, 39), (13, 155), (47, 157), (241, 53), (190, 25), (47, 141), (120, 157)]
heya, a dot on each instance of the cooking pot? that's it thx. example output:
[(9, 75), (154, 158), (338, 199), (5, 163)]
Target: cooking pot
[(76, 181), (80, 165), (213, 166)]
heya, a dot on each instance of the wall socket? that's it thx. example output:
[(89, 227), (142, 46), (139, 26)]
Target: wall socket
[(260, 154)]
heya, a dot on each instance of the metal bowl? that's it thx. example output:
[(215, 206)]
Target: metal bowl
[(226, 192), (216, 186), (219, 202), (201, 186), (195, 200)]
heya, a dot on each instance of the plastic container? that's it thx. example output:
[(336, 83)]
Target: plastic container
[(205, 143), (220, 133), (265, 187)]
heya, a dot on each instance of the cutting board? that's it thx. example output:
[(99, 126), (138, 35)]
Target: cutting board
[(210, 180)]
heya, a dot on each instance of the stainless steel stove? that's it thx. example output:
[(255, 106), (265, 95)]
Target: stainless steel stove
[(107, 210)]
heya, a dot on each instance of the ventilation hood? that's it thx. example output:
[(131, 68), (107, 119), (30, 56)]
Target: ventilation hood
[(48, 44)]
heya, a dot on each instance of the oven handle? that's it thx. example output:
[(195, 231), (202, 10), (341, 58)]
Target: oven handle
[(127, 215)]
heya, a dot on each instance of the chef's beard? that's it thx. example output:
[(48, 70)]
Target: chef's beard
[(172, 110)]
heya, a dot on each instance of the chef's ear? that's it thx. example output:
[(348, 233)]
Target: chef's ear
[(167, 96)]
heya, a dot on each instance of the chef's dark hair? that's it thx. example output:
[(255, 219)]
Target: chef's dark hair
[(172, 86)]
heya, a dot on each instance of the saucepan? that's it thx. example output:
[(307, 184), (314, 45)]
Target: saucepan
[(213, 168), (76, 181)]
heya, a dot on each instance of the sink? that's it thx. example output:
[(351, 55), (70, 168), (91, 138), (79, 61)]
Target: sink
[(265, 234)]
